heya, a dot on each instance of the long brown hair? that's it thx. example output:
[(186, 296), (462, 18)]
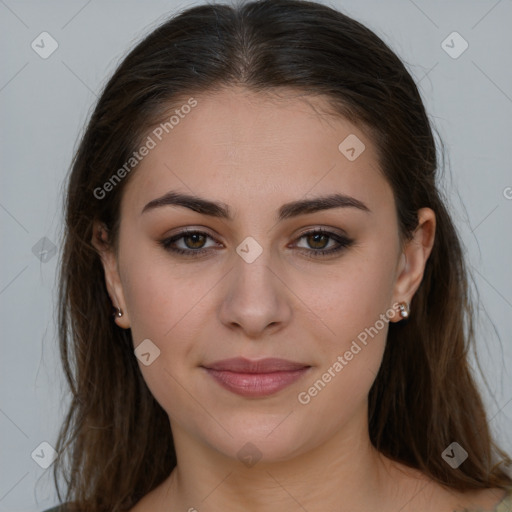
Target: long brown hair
[(115, 444)]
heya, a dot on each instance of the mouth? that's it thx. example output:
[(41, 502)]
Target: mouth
[(259, 378)]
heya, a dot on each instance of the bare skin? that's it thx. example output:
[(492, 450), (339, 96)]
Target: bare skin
[(254, 154)]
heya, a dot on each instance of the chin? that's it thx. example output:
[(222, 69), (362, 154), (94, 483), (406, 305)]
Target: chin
[(258, 439)]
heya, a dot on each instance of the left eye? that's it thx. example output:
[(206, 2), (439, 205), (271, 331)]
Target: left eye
[(193, 243), (319, 239)]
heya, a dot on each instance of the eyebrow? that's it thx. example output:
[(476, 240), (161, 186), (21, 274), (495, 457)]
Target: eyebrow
[(222, 211)]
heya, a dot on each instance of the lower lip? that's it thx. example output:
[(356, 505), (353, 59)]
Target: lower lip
[(256, 384)]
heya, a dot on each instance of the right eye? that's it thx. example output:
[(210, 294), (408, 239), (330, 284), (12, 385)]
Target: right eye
[(192, 243)]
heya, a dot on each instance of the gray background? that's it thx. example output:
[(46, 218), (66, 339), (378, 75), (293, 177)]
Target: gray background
[(45, 102)]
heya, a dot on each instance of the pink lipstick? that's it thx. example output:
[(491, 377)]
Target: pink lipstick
[(259, 378)]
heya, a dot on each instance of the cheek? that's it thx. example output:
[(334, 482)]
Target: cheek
[(355, 304), (165, 305), (352, 295), (160, 294), (337, 398), (163, 311)]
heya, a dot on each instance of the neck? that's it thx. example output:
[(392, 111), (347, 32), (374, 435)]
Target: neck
[(344, 473)]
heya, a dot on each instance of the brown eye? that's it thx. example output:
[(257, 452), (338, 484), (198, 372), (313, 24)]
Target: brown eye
[(197, 240), (319, 240), (188, 243)]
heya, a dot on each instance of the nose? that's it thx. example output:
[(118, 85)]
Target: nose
[(256, 299)]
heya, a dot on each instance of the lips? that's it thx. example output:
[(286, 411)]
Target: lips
[(255, 378)]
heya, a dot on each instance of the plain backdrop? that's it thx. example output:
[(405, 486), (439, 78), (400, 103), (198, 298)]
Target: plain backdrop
[(44, 104)]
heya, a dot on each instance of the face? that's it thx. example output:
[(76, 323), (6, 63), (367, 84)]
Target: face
[(270, 278)]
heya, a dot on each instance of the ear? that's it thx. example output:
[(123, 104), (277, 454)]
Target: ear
[(414, 257), (100, 241)]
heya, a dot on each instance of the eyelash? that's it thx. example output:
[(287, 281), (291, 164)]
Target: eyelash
[(343, 242)]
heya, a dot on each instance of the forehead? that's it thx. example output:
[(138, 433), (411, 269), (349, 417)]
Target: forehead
[(234, 145)]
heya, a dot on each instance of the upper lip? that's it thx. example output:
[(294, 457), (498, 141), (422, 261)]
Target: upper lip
[(242, 365)]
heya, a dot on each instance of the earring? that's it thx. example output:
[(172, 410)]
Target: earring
[(118, 312), (404, 310)]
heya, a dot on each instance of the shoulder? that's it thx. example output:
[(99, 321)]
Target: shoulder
[(423, 493), (506, 504), (58, 508)]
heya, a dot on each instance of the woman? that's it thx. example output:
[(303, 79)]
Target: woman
[(255, 197)]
